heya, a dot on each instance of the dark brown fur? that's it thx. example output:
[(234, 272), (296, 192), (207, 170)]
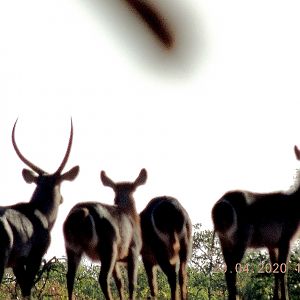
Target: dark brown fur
[(167, 241), (107, 233), (244, 219), (25, 227)]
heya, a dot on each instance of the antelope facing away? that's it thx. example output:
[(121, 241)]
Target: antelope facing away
[(106, 233), (244, 219), (167, 242), (25, 227)]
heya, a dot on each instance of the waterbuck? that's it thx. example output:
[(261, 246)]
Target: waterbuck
[(245, 219), (167, 242), (106, 233), (25, 227)]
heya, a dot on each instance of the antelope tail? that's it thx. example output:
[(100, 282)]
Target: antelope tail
[(223, 215), (81, 222)]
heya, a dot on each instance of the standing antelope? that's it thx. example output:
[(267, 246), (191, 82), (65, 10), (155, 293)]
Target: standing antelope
[(106, 233), (25, 227), (244, 219), (167, 242)]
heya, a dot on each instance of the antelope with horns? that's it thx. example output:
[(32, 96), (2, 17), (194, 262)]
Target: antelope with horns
[(167, 242), (106, 233), (244, 219), (25, 227)]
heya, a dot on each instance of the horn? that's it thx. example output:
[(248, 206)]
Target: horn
[(63, 163), (23, 159)]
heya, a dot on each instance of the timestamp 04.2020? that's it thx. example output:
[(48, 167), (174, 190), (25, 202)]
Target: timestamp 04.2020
[(260, 268)]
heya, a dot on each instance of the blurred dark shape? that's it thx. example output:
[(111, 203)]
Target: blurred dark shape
[(154, 20), (172, 40)]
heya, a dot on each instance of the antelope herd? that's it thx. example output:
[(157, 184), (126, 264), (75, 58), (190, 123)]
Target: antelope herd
[(111, 234), (161, 233)]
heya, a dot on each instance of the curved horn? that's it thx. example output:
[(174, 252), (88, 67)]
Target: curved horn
[(63, 163), (23, 159)]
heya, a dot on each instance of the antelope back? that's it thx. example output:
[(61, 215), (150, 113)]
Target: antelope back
[(165, 224), (91, 226)]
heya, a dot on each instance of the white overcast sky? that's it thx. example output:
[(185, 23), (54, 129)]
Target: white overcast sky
[(218, 112)]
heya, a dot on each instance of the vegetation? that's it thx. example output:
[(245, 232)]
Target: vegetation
[(206, 276)]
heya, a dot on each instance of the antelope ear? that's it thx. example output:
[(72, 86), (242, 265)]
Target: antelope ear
[(29, 176), (70, 175), (106, 180), (141, 178), (297, 152)]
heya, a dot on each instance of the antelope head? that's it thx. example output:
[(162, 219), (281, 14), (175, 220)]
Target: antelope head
[(124, 190), (46, 197)]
